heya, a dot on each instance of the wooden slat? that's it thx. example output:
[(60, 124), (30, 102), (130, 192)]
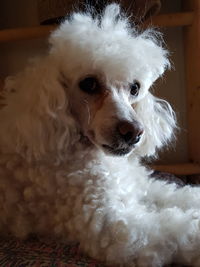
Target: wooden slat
[(179, 169), (167, 20), (28, 33), (192, 71), (171, 20)]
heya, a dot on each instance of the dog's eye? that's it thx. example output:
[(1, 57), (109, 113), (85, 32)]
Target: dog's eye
[(134, 88), (89, 85)]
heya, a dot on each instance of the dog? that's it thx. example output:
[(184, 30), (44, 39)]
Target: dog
[(75, 125)]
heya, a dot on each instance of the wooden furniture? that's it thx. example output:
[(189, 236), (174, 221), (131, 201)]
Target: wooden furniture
[(190, 20)]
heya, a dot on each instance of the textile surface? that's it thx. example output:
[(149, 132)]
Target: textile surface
[(38, 253)]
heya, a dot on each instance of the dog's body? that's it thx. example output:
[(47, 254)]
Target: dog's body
[(89, 94)]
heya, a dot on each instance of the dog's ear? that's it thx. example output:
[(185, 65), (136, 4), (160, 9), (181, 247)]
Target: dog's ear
[(154, 53), (43, 122), (157, 116), (159, 123)]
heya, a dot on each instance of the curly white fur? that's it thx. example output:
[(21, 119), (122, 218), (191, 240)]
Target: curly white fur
[(55, 182)]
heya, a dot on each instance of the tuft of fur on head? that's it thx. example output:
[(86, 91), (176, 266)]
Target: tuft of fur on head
[(82, 45), (109, 37)]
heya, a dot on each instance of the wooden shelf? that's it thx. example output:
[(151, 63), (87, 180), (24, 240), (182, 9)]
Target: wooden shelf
[(166, 20), (179, 169), (191, 39), (171, 20), (28, 33)]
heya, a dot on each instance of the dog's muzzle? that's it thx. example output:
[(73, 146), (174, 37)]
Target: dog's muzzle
[(126, 136)]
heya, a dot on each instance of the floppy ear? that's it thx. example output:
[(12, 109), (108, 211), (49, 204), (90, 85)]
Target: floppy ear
[(36, 119), (156, 55), (156, 115), (159, 123)]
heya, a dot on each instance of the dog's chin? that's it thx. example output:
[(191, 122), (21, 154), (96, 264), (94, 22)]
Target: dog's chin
[(110, 150), (116, 151)]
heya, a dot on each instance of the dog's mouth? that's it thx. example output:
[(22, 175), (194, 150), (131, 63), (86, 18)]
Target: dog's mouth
[(116, 151), (108, 149)]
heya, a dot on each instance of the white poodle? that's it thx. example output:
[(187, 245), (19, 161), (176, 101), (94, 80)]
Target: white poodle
[(65, 121)]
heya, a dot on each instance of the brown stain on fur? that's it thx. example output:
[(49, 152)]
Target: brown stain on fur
[(2, 97), (100, 101), (2, 102)]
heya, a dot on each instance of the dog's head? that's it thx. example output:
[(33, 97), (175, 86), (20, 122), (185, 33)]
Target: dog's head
[(106, 69)]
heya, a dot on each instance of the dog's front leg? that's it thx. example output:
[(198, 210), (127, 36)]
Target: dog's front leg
[(109, 222)]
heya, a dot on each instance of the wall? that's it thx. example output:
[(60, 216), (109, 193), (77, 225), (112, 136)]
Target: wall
[(14, 56)]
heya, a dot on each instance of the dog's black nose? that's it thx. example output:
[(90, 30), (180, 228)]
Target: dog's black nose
[(130, 132)]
